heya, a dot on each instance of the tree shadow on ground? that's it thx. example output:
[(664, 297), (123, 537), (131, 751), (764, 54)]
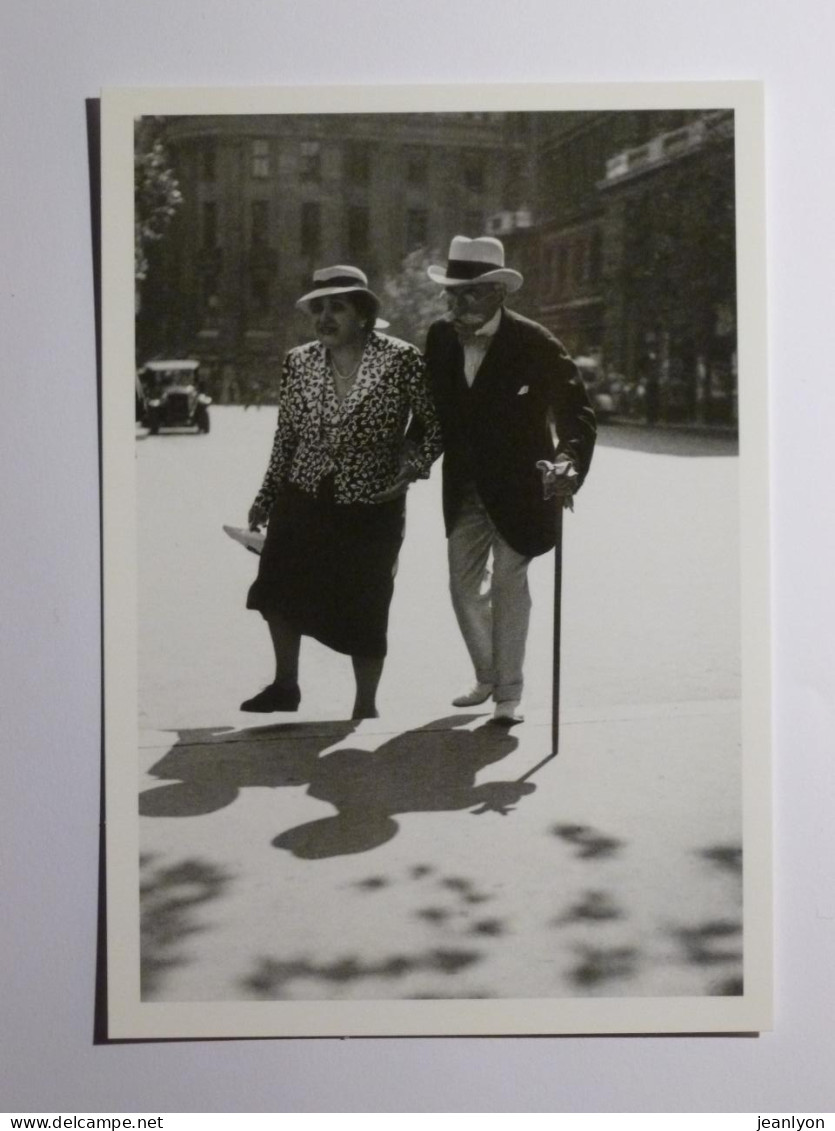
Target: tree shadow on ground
[(591, 907), (594, 923), (664, 441), (430, 769), (599, 964), (716, 944), (273, 978), (590, 844), (449, 908), (725, 857), (208, 768), (169, 897)]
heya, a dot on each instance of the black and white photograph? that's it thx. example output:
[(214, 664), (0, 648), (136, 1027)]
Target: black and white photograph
[(436, 619)]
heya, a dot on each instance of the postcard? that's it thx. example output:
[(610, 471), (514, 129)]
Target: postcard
[(435, 556)]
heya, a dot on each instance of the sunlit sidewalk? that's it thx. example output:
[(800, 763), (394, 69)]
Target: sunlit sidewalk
[(444, 857)]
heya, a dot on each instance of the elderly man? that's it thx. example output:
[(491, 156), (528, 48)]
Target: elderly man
[(502, 384)]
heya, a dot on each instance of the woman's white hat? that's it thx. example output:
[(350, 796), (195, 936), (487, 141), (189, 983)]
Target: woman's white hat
[(475, 261), (338, 280)]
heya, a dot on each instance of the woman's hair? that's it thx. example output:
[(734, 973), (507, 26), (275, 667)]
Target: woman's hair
[(366, 306)]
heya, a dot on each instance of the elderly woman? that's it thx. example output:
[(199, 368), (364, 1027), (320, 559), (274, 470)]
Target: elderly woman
[(333, 497)]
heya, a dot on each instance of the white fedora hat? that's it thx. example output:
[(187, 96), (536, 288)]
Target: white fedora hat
[(475, 261), (338, 280)]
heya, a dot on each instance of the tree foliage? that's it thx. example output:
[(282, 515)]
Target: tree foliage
[(679, 265), (410, 300), (157, 193)]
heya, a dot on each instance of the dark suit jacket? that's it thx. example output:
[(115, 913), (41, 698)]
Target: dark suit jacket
[(495, 431)]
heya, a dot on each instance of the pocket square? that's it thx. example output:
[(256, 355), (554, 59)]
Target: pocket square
[(523, 390)]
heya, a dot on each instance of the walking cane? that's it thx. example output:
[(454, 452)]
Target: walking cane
[(555, 700), (562, 472)]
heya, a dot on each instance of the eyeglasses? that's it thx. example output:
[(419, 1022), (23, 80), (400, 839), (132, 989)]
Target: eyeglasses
[(319, 305)]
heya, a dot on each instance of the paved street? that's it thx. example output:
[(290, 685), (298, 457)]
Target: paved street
[(308, 857)]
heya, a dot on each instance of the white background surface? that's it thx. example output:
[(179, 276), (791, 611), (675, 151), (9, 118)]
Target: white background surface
[(52, 57)]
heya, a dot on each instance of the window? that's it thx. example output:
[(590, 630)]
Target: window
[(260, 229), (311, 161), (260, 158), (417, 165), (563, 265), (359, 228), (208, 164), (579, 261), (596, 256), (417, 228), (311, 227), (475, 171), (209, 224), (552, 272), (358, 162), (211, 305), (259, 289)]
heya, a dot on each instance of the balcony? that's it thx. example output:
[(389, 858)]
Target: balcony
[(503, 223), (667, 147)]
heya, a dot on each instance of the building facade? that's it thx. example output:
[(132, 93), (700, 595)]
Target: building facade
[(621, 221), (267, 199), (630, 255)]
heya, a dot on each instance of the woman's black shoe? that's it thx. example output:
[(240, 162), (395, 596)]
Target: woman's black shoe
[(276, 697)]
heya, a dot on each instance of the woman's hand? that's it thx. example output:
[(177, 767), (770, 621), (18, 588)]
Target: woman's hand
[(257, 516)]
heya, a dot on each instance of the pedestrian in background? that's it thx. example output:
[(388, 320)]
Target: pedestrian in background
[(333, 497), (501, 383)]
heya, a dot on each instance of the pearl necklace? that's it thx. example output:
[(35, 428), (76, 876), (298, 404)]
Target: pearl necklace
[(345, 377)]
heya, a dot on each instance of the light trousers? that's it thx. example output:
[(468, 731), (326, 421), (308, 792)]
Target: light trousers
[(488, 581)]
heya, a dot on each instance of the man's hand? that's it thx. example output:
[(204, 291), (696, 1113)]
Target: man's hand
[(406, 475), (559, 480), (405, 478), (257, 516)]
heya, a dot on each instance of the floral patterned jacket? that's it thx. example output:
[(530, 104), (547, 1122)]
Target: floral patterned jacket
[(360, 441)]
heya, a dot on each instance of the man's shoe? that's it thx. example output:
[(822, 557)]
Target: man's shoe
[(479, 693), (276, 697), (507, 713)]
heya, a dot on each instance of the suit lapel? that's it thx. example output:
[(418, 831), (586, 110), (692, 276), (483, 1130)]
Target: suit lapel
[(453, 362), (495, 361)]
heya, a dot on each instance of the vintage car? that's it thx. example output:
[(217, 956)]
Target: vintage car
[(600, 389), (173, 397)]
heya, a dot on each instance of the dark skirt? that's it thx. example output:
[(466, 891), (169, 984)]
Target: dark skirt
[(328, 568)]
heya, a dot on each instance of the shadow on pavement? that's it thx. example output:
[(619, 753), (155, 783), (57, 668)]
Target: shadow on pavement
[(596, 925), (716, 945), (208, 768), (169, 897), (429, 769), (449, 905), (590, 845), (597, 964), (659, 440), (272, 978), (591, 907)]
